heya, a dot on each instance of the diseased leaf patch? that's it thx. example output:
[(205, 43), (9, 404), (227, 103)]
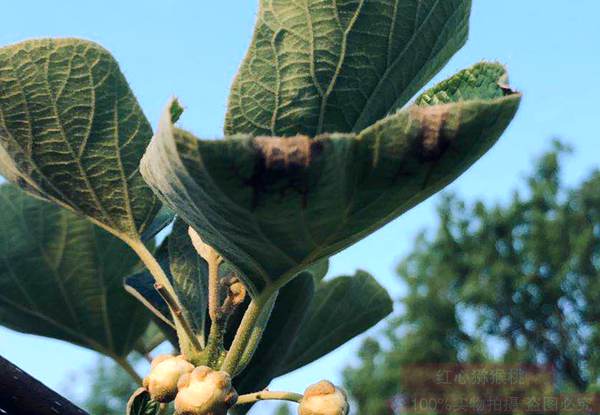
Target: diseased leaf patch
[(273, 206)]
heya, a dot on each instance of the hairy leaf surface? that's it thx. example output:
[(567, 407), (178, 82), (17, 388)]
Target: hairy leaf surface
[(72, 132), (327, 66), (273, 206), (61, 276), (341, 309)]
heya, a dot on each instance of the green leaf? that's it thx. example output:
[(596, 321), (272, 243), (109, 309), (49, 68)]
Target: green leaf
[(72, 132), (326, 66), (342, 309), (140, 403), (187, 272), (164, 217), (273, 206), (319, 269), (61, 276)]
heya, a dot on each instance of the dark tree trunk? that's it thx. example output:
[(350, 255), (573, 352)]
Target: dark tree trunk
[(21, 394)]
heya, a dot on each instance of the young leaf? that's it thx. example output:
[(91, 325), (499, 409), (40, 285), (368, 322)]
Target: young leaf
[(326, 66), (189, 275), (273, 206), (61, 277), (141, 403), (72, 132), (342, 309), (187, 272)]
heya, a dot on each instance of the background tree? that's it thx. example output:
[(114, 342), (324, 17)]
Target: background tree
[(506, 283)]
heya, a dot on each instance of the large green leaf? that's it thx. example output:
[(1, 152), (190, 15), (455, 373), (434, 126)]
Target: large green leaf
[(72, 132), (325, 66), (272, 206), (61, 276), (342, 309)]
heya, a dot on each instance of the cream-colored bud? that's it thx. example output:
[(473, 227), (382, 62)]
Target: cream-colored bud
[(205, 392), (323, 398), (164, 373)]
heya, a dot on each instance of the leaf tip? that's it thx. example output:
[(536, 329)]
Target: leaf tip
[(175, 109)]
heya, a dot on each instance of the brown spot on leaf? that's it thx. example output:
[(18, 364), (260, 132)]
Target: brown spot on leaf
[(286, 152), (435, 135), (281, 166)]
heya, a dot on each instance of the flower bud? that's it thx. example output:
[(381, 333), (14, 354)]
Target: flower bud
[(323, 398), (164, 373), (205, 392)]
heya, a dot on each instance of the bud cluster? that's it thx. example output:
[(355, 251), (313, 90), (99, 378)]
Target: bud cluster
[(196, 390)]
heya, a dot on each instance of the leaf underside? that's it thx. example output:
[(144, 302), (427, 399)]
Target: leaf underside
[(72, 132), (342, 308), (324, 66), (272, 206), (61, 277)]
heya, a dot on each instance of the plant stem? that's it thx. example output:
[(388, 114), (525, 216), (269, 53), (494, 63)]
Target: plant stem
[(249, 333), (213, 287), (241, 338), (269, 396), (122, 361), (167, 291)]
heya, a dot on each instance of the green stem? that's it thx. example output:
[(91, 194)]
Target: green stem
[(256, 334), (213, 288), (214, 346), (249, 332), (269, 396), (122, 361)]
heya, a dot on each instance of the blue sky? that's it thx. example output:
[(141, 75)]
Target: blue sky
[(192, 49)]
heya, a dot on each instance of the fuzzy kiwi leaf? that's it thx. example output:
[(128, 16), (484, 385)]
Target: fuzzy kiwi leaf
[(61, 276), (72, 132), (327, 66), (274, 206), (341, 309)]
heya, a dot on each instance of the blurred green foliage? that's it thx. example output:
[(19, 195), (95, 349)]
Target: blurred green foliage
[(511, 283)]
